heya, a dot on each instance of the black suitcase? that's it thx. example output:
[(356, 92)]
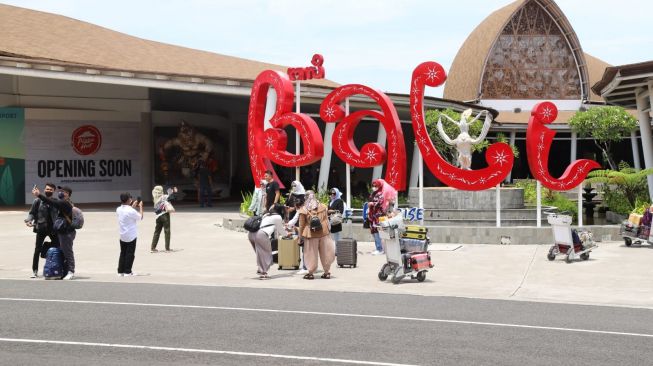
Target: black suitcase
[(275, 250), (347, 251)]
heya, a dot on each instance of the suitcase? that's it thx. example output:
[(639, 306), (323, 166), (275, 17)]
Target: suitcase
[(413, 245), (347, 250), (53, 268), (274, 243), (420, 261), (288, 256), (415, 232)]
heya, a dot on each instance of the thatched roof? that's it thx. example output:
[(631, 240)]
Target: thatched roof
[(466, 72), (34, 35)]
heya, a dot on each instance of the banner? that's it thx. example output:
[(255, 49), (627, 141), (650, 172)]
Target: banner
[(12, 156), (97, 159)]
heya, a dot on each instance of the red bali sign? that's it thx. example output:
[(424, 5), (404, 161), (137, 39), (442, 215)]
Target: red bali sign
[(538, 145), (270, 145), (498, 155), (86, 140), (371, 154), (311, 72)]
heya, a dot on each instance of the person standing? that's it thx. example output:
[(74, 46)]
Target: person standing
[(62, 225), (128, 219), (382, 198), (162, 210), (314, 228), (336, 206), (205, 184), (271, 227), (272, 193), (41, 218), (257, 206)]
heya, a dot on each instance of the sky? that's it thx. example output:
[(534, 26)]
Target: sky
[(373, 42)]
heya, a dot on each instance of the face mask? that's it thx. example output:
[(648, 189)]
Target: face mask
[(61, 195), (48, 194)]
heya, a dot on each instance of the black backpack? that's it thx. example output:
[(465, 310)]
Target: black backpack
[(253, 224), (315, 223)]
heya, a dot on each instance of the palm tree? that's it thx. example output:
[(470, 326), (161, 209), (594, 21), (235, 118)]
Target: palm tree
[(629, 181)]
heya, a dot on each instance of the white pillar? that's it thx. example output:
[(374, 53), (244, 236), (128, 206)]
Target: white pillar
[(297, 147), (573, 156), (513, 137), (580, 205), (347, 167), (635, 146), (378, 170), (270, 106), (498, 199), (647, 139), (414, 168), (539, 203), (325, 163), (420, 168)]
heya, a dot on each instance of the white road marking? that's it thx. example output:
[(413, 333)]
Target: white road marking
[(365, 316), (196, 350)]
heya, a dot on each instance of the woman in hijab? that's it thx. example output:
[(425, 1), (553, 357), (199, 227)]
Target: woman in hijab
[(162, 209), (258, 197), (297, 193), (314, 228), (271, 227), (381, 200), (336, 206)]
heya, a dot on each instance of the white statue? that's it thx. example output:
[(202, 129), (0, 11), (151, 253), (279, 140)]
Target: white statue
[(464, 142)]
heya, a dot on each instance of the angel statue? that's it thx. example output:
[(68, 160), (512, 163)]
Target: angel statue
[(464, 141)]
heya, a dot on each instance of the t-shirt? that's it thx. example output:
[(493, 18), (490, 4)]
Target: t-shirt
[(128, 219), (271, 190)]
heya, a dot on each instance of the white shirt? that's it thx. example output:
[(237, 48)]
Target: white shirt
[(127, 220), (276, 225)]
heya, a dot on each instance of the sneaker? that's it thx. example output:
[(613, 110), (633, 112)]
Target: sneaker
[(131, 274), (120, 274), (34, 275), (302, 271), (168, 250), (69, 276), (376, 252), (154, 251)]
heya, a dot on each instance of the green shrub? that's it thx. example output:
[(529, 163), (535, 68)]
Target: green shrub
[(549, 197), (247, 201)]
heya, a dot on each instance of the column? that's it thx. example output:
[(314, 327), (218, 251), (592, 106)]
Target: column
[(378, 170), (635, 146), (573, 156), (647, 139), (325, 163), (414, 167), (513, 137)]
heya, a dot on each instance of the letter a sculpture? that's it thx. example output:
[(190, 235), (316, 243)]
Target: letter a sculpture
[(464, 142)]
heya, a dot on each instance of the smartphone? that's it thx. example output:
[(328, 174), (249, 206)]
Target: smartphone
[(33, 188)]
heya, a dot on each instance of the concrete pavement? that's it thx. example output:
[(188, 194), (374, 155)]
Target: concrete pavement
[(210, 255)]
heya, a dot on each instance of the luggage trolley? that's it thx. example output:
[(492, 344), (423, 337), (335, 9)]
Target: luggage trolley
[(404, 257), (567, 242), (633, 233)]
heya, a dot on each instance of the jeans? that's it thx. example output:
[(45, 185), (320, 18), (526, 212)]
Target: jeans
[(40, 237), (66, 244), (377, 242), (205, 195), (162, 222), (126, 259)]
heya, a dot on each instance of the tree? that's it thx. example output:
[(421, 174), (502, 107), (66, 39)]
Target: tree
[(628, 181), (448, 152), (604, 125)]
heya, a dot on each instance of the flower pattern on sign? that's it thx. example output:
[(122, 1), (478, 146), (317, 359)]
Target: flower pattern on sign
[(498, 155), (371, 154), (538, 145), (266, 146)]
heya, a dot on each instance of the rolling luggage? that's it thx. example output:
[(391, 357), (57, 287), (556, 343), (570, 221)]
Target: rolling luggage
[(420, 261), (288, 257), (347, 250), (415, 232), (274, 243), (53, 268)]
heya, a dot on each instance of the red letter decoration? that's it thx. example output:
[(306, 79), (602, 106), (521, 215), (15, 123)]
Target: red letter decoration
[(538, 144), (498, 155), (371, 154), (270, 144)]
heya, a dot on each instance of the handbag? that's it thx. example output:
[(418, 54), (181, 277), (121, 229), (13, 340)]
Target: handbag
[(335, 218)]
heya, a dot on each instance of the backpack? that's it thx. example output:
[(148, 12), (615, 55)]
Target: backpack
[(77, 221), (53, 268), (315, 223), (253, 224)]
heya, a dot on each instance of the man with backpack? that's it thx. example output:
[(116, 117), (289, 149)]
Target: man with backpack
[(41, 218), (64, 225)]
